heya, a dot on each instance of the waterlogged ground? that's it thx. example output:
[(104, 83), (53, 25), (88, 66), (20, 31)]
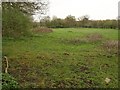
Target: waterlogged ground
[(65, 58)]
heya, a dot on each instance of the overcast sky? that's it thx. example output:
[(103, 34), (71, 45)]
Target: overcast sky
[(96, 9)]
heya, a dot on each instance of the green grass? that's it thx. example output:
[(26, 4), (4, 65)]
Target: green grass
[(64, 58)]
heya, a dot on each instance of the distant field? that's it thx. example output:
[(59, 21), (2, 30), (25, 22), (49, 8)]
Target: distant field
[(66, 57)]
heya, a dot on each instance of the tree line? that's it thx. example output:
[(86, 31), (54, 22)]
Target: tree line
[(71, 22)]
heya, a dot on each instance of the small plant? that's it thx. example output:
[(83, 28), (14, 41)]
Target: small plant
[(8, 82)]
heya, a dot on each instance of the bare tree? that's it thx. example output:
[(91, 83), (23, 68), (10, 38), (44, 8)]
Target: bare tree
[(39, 6)]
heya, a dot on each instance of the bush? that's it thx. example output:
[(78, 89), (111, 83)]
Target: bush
[(15, 23), (8, 82)]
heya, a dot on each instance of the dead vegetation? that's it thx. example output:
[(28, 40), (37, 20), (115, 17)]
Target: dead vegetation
[(90, 38), (111, 46), (94, 37), (42, 30)]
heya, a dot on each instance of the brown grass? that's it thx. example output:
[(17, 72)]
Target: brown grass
[(90, 38), (111, 46), (94, 37), (42, 30)]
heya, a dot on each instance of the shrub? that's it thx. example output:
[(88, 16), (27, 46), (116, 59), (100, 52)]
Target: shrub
[(15, 23)]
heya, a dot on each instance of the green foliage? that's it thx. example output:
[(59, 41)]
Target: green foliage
[(70, 21), (15, 23), (8, 82), (57, 23)]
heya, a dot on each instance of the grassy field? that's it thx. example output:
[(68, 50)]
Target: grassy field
[(66, 57)]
